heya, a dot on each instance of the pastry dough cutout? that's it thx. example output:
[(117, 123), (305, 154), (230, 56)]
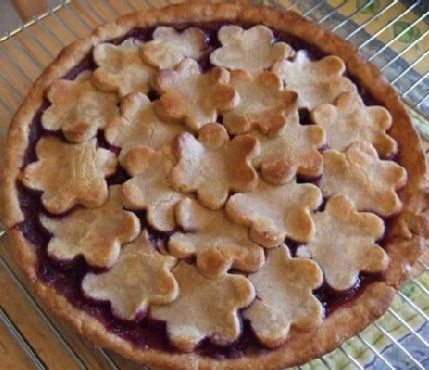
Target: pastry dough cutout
[(217, 243), (263, 103), (204, 308), (192, 97), (213, 165), (95, 233), (120, 68), (293, 151), (349, 120), (276, 212), (239, 46), (149, 186), (370, 183), (140, 277), (344, 243), (317, 82), (78, 109), (169, 47), (284, 288), (139, 125), (69, 174)]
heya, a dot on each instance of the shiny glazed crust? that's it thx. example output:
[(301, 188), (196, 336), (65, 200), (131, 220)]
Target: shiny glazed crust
[(405, 235)]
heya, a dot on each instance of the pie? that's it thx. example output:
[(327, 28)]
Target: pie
[(213, 186)]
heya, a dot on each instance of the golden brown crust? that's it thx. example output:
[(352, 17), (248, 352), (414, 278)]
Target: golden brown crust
[(405, 231), (295, 150), (355, 122), (318, 82), (147, 274), (69, 174), (169, 47), (263, 104), (111, 227), (287, 302), (355, 234), (371, 182), (196, 307), (139, 125), (216, 241), (340, 325), (238, 44), (214, 165), (110, 77), (191, 96), (149, 188), (271, 223)]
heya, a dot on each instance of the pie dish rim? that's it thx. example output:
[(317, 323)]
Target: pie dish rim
[(405, 234)]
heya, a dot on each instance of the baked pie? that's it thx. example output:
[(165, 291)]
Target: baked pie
[(214, 186)]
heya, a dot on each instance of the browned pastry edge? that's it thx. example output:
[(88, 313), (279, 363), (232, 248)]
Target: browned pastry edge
[(405, 233), (302, 347)]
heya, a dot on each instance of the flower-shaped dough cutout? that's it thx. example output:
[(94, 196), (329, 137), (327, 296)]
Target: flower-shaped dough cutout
[(140, 277), (263, 104), (139, 125), (293, 151), (120, 68), (369, 182), (169, 47), (149, 186), (316, 82), (213, 165), (276, 212), (69, 174), (95, 233), (218, 243), (253, 49), (78, 109), (193, 97), (345, 243), (204, 308), (350, 120), (284, 287)]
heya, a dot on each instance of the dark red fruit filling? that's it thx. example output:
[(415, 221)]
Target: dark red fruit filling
[(66, 276)]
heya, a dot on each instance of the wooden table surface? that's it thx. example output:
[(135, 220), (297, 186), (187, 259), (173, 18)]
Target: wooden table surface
[(29, 336)]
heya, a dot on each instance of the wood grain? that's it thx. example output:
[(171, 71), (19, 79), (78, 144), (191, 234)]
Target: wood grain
[(11, 354), (21, 310), (27, 9)]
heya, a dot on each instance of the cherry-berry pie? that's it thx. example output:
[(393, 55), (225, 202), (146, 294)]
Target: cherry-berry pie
[(215, 186)]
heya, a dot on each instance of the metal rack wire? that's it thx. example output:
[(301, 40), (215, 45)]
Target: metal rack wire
[(75, 18)]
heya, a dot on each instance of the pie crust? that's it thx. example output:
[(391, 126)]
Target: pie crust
[(404, 236)]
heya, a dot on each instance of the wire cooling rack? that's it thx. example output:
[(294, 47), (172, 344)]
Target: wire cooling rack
[(392, 34)]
